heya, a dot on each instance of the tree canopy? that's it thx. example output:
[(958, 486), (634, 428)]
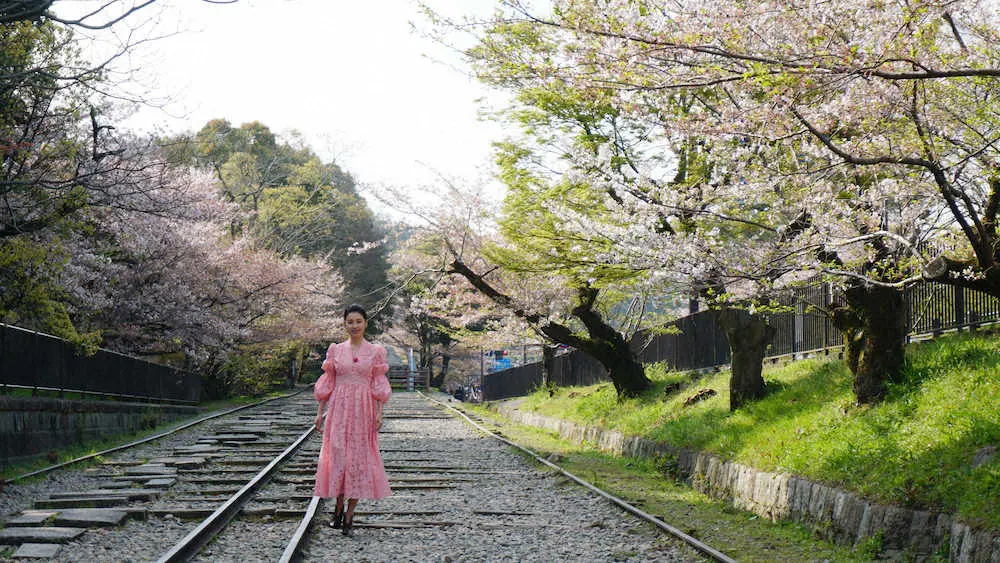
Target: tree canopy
[(116, 239), (294, 204), (741, 148)]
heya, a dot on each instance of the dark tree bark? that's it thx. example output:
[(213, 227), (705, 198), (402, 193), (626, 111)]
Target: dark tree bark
[(438, 380), (953, 272), (445, 361), (748, 335), (874, 327), (603, 342), (23, 10), (427, 355), (548, 363), (609, 347), (983, 238)]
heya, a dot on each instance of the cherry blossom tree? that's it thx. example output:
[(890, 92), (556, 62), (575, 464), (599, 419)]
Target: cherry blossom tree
[(632, 220), (295, 204), (105, 239), (435, 315), (526, 270), (179, 288), (60, 156), (59, 100), (878, 115)]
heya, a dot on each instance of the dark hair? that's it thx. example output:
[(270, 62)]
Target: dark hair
[(355, 308)]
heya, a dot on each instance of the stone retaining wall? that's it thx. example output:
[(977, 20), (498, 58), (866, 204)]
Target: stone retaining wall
[(33, 426), (839, 515)]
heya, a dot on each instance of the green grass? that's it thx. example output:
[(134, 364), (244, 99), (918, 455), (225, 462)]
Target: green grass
[(915, 449), (646, 484)]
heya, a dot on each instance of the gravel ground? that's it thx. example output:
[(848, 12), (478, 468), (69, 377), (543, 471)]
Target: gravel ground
[(489, 504), (17, 497), (509, 511), (142, 540)]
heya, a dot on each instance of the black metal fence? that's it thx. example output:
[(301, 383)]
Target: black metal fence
[(512, 382), (39, 361), (936, 307), (697, 342), (400, 377), (572, 369)]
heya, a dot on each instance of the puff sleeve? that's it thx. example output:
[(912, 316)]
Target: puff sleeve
[(380, 383), (324, 386)]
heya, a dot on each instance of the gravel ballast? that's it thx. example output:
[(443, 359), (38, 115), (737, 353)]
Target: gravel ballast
[(457, 496)]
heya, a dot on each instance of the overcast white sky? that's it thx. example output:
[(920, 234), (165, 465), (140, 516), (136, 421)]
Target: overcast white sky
[(350, 75)]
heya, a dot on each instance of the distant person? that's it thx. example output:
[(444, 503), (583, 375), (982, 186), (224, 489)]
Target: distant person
[(355, 387), (460, 394)]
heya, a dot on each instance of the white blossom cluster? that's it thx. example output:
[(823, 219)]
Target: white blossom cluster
[(849, 139), (178, 283)]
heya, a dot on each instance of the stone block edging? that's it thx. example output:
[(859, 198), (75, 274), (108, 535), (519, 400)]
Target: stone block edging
[(35, 426), (841, 516)]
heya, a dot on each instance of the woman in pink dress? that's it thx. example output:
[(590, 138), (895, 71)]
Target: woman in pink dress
[(355, 387)]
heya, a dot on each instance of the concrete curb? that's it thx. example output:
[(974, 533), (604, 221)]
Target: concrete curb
[(837, 514)]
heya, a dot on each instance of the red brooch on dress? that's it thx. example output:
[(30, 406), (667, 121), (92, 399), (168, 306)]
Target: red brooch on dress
[(355, 360)]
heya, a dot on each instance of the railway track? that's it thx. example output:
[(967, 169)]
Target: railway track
[(241, 490)]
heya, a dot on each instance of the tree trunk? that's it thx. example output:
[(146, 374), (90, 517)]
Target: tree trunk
[(438, 380), (603, 342), (548, 363), (874, 327), (628, 375), (609, 346), (749, 336), (426, 354)]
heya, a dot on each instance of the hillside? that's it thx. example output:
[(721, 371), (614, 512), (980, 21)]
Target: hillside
[(931, 445)]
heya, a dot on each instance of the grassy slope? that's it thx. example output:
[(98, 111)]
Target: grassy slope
[(915, 449), (644, 483)]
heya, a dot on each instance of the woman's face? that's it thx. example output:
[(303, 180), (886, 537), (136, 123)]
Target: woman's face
[(355, 324)]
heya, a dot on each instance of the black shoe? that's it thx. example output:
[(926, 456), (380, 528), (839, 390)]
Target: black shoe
[(348, 526), (338, 518)]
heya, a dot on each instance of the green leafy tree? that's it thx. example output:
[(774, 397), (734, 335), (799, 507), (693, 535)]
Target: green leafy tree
[(61, 161), (32, 293), (534, 273), (864, 130), (293, 203)]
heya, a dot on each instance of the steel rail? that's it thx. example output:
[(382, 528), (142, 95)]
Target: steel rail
[(292, 550), (88, 457), (191, 544), (693, 542)]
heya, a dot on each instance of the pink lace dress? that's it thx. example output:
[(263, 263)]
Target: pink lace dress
[(349, 460)]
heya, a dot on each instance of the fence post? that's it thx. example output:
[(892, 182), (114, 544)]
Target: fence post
[(959, 307), (3, 348), (826, 326), (798, 328)]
